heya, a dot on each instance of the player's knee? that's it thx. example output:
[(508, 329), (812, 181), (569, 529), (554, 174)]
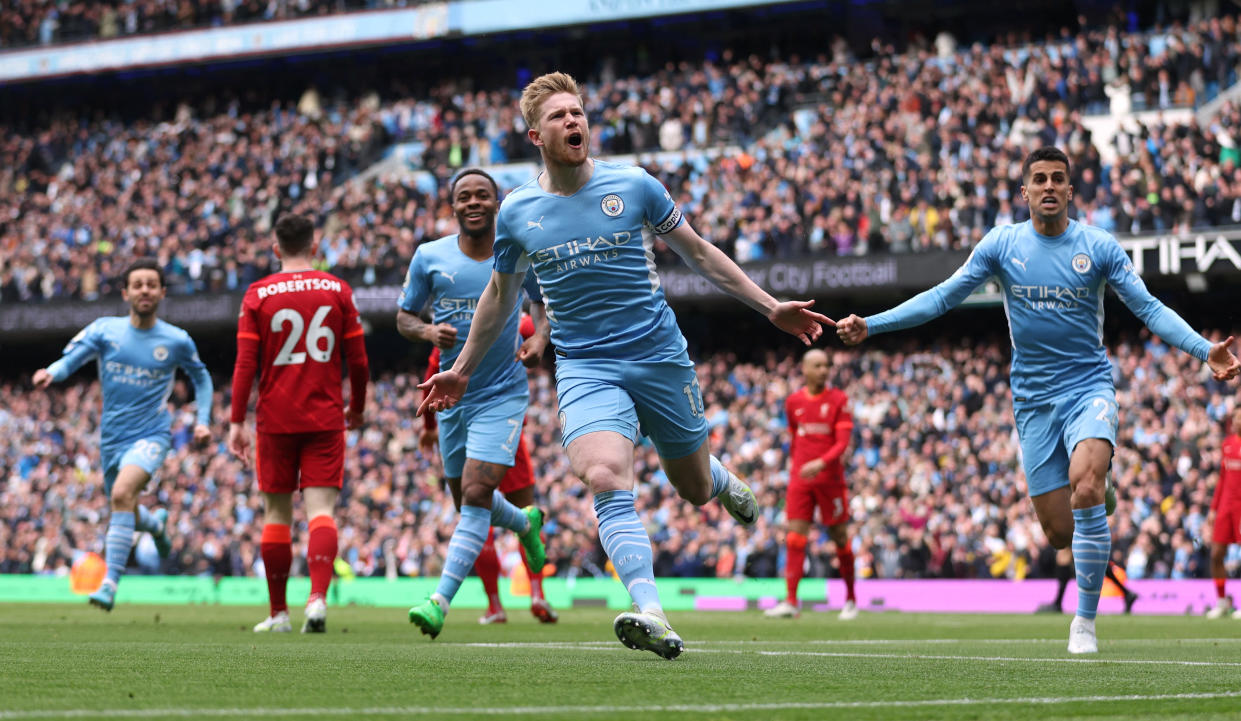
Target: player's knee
[(697, 493), (1060, 536), (1088, 492), (477, 495), (602, 477), (124, 499)]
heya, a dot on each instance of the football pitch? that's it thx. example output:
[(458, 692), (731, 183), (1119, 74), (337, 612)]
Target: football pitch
[(74, 662)]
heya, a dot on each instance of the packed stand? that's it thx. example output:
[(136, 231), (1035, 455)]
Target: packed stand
[(933, 472), (922, 150), (45, 22), (907, 152)]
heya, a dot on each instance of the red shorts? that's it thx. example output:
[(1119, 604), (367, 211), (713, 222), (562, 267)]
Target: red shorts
[(289, 461), (521, 475), (832, 500), (1227, 526)]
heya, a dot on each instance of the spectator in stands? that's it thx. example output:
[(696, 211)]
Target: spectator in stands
[(926, 481), (925, 140)]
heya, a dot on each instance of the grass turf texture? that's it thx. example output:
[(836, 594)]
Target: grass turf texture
[(140, 661)]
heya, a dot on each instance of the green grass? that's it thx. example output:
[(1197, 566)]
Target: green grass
[(142, 661)]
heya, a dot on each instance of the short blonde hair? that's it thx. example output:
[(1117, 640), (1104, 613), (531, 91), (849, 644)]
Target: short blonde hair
[(542, 88)]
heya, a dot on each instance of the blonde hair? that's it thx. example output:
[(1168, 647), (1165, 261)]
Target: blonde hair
[(542, 88)]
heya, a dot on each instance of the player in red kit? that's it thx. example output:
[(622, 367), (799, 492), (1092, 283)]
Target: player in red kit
[(293, 327), (517, 486), (1225, 515), (820, 426)]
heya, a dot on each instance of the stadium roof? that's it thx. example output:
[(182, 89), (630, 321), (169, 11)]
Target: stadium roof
[(426, 22)]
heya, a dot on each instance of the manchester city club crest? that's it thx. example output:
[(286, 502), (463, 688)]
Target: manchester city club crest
[(160, 353), (1081, 263), (612, 205)]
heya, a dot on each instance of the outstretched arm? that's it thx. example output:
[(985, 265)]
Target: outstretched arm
[(1222, 361), (793, 316), (80, 350), (497, 302), (927, 305), (1163, 321)]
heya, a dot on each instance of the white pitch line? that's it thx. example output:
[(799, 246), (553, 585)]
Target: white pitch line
[(609, 647), (577, 710), (902, 641), (842, 642), (996, 659)]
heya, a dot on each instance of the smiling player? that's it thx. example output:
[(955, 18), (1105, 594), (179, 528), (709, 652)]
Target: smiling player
[(138, 357), (480, 436)]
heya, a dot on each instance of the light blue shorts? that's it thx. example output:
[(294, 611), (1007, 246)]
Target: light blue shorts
[(486, 430), (658, 398), (1050, 432), (146, 453)]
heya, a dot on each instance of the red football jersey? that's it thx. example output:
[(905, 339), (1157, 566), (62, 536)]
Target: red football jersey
[(820, 426), (292, 329), (1228, 490)]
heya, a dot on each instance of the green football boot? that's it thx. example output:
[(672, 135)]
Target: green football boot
[(428, 616), (532, 540)]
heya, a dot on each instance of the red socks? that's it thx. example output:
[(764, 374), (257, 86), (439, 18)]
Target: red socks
[(844, 555), (795, 561), (487, 566), (488, 569), (1219, 587), (276, 550), (321, 554)]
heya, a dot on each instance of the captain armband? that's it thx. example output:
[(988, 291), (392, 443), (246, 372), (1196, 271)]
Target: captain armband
[(670, 223)]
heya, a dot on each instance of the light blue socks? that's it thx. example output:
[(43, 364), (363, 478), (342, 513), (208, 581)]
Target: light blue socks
[(626, 542), (1092, 544)]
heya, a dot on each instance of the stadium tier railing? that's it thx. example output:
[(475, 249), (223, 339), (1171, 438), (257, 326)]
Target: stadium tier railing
[(1192, 261)]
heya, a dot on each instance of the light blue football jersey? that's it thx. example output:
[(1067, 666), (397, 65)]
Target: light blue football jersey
[(1053, 296), (453, 282), (592, 253), (136, 371)]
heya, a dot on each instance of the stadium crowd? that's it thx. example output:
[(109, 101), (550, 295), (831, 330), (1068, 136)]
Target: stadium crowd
[(933, 471), (44, 22), (911, 150)]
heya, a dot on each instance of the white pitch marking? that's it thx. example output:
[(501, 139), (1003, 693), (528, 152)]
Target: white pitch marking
[(997, 659), (571, 710), (841, 642), (606, 647)]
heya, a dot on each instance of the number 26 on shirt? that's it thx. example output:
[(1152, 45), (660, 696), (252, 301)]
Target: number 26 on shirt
[(320, 340)]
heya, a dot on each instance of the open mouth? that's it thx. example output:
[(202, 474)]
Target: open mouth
[(574, 140), (1050, 202)]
